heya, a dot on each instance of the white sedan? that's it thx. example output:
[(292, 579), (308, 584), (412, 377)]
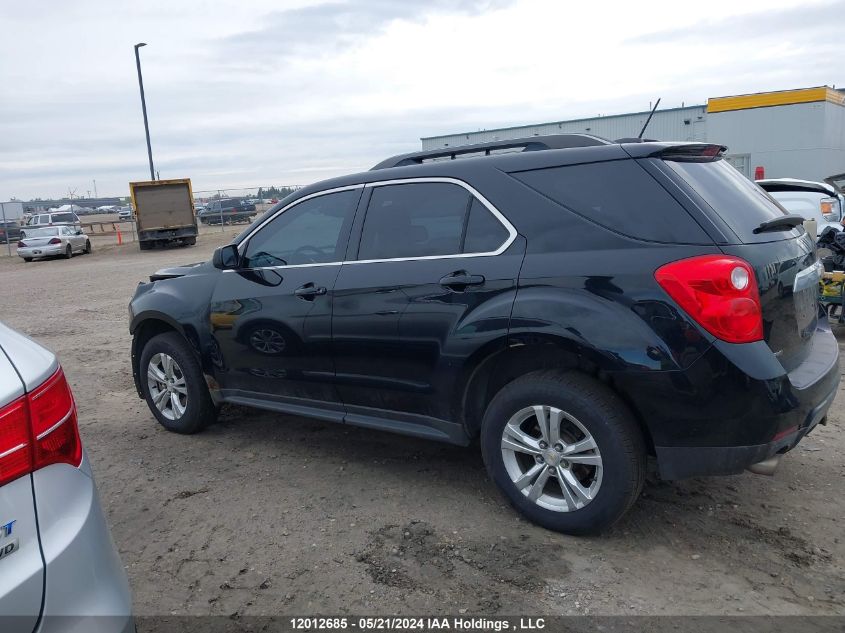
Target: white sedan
[(52, 240)]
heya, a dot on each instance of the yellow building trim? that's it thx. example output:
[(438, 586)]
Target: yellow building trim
[(767, 99)]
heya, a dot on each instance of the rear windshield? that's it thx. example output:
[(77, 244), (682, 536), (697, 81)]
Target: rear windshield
[(742, 204), (41, 232)]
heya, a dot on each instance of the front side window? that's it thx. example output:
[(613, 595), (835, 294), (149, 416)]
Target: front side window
[(425, 220), (312, 232)]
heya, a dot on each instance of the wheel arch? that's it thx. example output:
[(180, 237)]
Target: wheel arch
[(147, 325), (496, 370)]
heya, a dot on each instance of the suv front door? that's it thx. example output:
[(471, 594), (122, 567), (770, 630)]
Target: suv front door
[(430, 282), (271, 317)]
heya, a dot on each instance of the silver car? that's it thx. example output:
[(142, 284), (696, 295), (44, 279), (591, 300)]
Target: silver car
[(59, 567), (53, 240)]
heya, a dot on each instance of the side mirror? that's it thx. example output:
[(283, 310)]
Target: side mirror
[(79, 231), (225, 257)]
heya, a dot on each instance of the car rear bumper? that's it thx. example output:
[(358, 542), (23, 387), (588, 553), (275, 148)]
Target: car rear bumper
[(41, 251), (730, 410), (681, 462), (86, 588)]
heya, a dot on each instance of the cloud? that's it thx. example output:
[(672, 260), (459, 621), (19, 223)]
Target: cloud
[(329, 28), (813, 21)]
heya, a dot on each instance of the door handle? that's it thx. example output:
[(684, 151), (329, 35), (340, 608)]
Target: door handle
[(309, 291), (461, 279)]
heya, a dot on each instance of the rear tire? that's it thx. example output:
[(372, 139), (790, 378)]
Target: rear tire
[(607, 478), (187, 406)]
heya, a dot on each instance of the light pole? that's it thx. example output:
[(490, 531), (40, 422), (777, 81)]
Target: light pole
[(144, 108)]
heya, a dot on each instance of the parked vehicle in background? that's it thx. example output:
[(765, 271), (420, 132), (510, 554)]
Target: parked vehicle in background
[(59, 218), (577, 307), (13, 210), (164, 212), (199, 208), (9, 230), (817, 201), (228, 211), (52, 240), (124, 213), (53, 533)]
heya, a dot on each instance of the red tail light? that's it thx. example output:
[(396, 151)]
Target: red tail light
[(21, 245), (55, 240), (39, 429), (719, 292)]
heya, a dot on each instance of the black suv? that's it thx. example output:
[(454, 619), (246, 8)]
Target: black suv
[(576, 304)]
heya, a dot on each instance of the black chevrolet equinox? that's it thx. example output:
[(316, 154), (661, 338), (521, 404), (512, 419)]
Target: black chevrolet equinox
[(580, 306)]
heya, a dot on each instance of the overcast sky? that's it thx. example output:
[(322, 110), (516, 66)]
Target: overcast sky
[(261, 92)]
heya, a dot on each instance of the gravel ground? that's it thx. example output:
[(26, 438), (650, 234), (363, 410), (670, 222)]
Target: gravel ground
[(271, 514)]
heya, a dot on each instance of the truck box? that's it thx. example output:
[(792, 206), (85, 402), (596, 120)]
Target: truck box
[(164, 212)]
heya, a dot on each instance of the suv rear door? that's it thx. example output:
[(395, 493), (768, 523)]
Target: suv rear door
[(784, 260), (429, 280), (21, 565)]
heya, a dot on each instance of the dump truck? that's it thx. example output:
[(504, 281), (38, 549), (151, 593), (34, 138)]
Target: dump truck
[(164, 212)]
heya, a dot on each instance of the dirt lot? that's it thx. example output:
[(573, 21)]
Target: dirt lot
[(271, 514)]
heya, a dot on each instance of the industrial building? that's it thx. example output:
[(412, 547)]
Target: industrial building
[(788, 133)]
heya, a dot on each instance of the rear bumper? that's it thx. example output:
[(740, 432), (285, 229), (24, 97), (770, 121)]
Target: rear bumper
[(693, 461), (730, 409), (86, 588), (41, 251)]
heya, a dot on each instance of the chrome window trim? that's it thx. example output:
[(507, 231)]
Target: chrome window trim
[(512, 233), (473, 191)]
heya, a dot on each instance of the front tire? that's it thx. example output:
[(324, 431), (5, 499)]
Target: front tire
[(68, 252), (565, 451), (173, 385), (88, 248)]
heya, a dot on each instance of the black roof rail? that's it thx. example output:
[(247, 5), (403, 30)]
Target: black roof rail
[(528, 144)]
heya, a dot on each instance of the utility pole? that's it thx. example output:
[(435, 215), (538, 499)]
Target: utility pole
[(95, 188), (144, 109)]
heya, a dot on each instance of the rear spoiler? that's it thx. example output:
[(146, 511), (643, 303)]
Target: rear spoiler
[(692, 153)]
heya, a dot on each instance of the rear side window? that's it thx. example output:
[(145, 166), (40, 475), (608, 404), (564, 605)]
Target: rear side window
[(742, 204), (63, 217), (427, 220), (619, 195), (484, 232), (414, 220)]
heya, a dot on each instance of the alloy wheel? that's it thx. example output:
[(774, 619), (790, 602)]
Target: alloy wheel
[(551, 458), (168, 389)]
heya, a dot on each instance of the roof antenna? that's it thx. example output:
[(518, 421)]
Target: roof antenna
[(648, 120)]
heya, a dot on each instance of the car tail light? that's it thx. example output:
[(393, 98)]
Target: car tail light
[(719, 292), (39, 429), (55, 240), (21, 245)]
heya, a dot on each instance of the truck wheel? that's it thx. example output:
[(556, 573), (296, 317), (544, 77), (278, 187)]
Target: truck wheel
[(191, 241), (145, 246), (565, 451), (173, 385)]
